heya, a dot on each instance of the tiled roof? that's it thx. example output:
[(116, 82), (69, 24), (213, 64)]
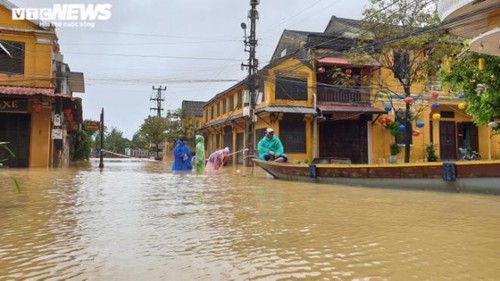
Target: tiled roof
[(26, 91)]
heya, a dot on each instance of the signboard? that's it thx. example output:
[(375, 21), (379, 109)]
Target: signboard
[(92, 125), (13, 105), (57, 134)]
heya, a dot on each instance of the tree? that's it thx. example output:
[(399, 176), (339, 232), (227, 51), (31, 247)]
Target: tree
[(481, 87), (154, 131), (115, 141), (402, 37), (138, 141)]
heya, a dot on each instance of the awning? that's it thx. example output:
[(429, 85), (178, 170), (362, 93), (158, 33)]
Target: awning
[(31, 91), (363, 109), (344, 61)]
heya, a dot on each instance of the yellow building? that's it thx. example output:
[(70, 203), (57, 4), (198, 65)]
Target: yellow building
[(38, 114), (323, 105)]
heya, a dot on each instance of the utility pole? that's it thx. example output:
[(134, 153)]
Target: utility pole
[(252, 65), (158, 99)]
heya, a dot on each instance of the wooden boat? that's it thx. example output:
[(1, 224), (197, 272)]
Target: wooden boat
[(461, 176)]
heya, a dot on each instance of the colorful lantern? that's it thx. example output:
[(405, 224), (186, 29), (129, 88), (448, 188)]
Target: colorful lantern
[(408, 100), (481, 64), (348, 71), (37, 106), (461, 105), (388, 120), (436, 116), (321, 69), (435, 106), (402, 128), (415, 133), (420, 124), (387, 108), (67, 111), (435, 95)]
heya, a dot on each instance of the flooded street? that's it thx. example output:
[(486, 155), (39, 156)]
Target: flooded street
[(139, 221)]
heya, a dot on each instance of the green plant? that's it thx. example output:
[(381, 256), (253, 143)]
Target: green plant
[(3, 146), (395, 148), (431, 152)]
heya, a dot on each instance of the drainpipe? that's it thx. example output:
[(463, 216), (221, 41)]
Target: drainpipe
[(315, 130)]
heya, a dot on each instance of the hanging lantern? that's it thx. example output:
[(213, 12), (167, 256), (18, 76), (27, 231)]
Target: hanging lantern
[(37, 106), (435, 95), (321, 69), (461, 105), (436, 116), (387, 108), (67, 111), (461, 96), (435, 106), (420, 124), (415, 133), (408, 100), (402, 128), (348, 71), (481, 64)]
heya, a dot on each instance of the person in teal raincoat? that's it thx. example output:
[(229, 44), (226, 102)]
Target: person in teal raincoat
[(270, 148), (182, 156), (199, 157)]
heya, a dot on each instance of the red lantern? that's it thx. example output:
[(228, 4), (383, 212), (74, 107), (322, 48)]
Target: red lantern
[(37, 106), (408, 100), (388, 120), (415, 133), (321, 69), (348, 71), (435, 95), (67, 111)]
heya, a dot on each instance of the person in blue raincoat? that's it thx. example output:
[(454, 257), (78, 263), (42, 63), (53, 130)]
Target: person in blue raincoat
[(182, 156), (270, 148)]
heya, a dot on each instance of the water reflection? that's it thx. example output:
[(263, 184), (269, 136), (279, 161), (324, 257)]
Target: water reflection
[(136, 221)]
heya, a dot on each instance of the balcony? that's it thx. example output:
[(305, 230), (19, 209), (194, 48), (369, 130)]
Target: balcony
[(327, 93)]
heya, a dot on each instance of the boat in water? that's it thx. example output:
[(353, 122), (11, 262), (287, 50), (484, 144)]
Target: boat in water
[(460, 176)]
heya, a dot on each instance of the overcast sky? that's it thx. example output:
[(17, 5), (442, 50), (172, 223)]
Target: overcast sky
[(184, 45)]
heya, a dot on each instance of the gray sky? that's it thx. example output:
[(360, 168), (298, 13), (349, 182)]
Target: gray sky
[(171, 42)]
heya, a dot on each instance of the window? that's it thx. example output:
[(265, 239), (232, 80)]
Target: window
[(401, 65), (291, 89), (11, 57), (224, 105), (218, 109), (206, 116), (293, 133), (240, 98), (212, 112), (231, 102)]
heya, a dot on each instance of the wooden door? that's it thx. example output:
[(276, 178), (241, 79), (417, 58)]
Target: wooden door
[(15, 129), (344, 139), (447, 140)]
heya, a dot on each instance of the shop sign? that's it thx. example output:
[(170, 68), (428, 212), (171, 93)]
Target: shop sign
[(92, 125), (13, 105), (57, 134)]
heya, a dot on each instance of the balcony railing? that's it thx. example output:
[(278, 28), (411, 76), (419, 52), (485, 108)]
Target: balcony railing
[(327, 93)]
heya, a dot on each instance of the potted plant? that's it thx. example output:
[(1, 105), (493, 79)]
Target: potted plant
[(431, 152), (395, 150)]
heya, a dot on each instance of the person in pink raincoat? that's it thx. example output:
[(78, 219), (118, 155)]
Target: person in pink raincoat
[(217, 159)]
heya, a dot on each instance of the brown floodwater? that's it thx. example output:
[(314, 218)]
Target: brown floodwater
[(140, 221)]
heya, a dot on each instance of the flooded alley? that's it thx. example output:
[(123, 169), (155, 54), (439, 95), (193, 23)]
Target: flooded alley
[(140, 221)]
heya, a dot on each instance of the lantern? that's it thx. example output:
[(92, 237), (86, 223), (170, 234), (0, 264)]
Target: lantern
[(435, 106), (415, 133), (388, 120), (435, 95), (67, 111), (461, 105), (321, 69), (387, 108), (481, 64), (420, 124), (436, 116), (37, 106), (402, 128), (408, 100), (348, 71)]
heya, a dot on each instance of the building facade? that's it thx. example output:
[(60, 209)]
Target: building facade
[(39, 116)]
